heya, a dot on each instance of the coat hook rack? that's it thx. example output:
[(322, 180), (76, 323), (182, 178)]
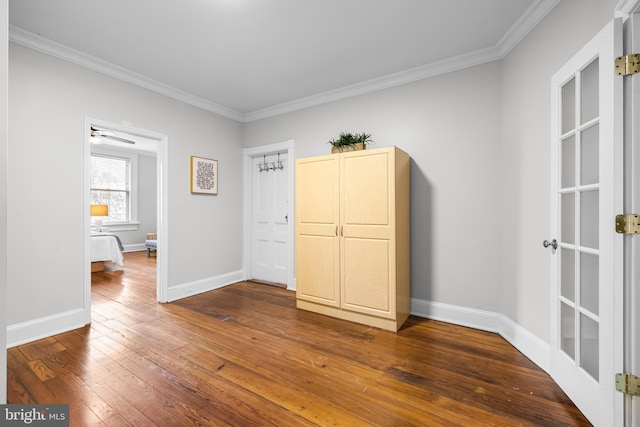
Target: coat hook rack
[(265, 166), (280, 165)]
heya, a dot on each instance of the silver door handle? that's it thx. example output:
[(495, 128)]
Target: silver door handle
[(553, 244)]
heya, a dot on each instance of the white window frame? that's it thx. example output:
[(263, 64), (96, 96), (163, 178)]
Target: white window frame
[(133, 223)]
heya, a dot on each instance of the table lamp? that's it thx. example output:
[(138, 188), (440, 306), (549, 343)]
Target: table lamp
[(99, 211)]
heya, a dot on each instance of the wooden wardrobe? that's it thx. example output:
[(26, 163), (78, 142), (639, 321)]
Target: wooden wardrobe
[(352, 236)]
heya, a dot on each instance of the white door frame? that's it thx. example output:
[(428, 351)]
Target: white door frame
[(629, 10), (632, 205), (161, 211), (249, 154)]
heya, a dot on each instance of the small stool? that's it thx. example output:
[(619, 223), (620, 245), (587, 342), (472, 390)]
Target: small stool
[(151, 243)]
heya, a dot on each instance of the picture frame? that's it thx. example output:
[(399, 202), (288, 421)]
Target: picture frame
[(204, 176)]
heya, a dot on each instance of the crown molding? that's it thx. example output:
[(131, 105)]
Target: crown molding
[(532, 17), (44, 45), (527, 22), (373, 85)]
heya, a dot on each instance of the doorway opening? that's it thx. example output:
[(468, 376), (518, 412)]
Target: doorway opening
[(133, 144)]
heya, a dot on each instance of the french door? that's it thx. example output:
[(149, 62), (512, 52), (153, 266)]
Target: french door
[(586, 253)]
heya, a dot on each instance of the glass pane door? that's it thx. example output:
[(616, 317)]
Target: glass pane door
[(585, 253), (578, 196)]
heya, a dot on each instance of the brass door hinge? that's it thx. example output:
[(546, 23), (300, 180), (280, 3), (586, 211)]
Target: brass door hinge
[(628, 64), (628, 384), (628, 224)]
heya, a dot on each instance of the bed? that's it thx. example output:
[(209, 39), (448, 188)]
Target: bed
[(105, 247)]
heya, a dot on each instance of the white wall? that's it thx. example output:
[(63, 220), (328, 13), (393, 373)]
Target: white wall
[(450, 125), (4, 40), (525, 155), (48, 102), (147, 200)]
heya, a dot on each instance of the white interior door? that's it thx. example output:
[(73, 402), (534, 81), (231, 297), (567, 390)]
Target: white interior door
[(270, 207), (586, 193)]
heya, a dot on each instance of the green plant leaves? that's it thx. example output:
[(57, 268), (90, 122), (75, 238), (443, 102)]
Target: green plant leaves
[(347, 138)]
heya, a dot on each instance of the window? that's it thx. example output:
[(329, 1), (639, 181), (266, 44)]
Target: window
[(113, 183), (110, 177)]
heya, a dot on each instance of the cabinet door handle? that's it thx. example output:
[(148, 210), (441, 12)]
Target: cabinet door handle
[(336, 230), (342, 230)]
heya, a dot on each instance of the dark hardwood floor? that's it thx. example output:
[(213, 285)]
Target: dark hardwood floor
[(245, 356)]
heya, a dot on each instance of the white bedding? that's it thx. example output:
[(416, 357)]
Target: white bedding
[(105, 248)]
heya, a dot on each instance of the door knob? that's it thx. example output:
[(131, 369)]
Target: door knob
[(553, 244)]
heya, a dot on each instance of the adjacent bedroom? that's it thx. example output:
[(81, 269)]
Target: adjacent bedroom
[(123, 201)]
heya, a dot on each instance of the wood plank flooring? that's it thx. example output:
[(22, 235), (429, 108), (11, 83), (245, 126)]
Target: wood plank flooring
[(245, 356)]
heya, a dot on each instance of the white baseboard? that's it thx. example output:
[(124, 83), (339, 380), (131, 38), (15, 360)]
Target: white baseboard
[(526, 342), (199, 286), (536, 349), (292, 285), (22, 333), (44, 327), (136, 247)]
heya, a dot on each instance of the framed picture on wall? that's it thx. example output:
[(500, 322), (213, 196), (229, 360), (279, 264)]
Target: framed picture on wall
[(204, 175)]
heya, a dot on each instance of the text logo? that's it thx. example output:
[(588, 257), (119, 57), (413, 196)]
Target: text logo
[(34, 415)]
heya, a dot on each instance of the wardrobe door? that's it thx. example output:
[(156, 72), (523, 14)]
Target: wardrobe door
[(367, 232), (317, 243)]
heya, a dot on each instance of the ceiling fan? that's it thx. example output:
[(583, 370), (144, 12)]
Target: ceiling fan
[(108, 134)]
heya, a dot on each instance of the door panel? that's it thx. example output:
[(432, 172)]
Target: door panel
[(319, 206), (586, 165), (366, 190), (317, 220), (366, 276), (317, 269), (367, 251), (270, 228)]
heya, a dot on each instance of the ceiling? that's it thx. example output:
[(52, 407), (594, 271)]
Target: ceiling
[(250, 59)]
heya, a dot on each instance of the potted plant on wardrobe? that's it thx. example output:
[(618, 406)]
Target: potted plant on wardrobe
[(350, 142)]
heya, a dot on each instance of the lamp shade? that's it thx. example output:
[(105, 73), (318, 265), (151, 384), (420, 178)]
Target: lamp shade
[(99, 210)]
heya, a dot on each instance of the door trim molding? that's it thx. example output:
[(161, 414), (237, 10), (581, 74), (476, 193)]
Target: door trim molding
[(248, 155), (632, 204), (624, 8)]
